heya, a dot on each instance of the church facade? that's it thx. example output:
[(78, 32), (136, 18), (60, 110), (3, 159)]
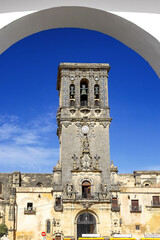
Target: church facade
[(85, 193)]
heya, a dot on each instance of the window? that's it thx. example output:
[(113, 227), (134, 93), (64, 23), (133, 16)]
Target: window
[(155, 201), (146, 185), (29, 206), (39, 184), (84, 93), (137, 227), (72, 95), (48, 226), (96, 95), (1, 188), (115, 205), (58, 201), (86, 189), (135, 206), (29, 210), (58, 206), (72, 91)]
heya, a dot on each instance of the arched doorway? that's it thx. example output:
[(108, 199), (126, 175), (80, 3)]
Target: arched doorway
[(86, 189), (86, 224)]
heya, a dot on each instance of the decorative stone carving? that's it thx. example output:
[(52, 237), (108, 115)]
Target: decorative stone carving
[(81, 133), (69, 189), (85, 110), (66, 124), (104, 124), (74, 157), (78, 124), (104, 189), (113, 168), (115, 222), (97, 111), (86, 159), (72, 78), (72, 110), (86, 162), (97, 161), (87, 205)]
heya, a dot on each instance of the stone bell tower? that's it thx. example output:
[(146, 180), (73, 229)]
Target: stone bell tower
[(83, 120)]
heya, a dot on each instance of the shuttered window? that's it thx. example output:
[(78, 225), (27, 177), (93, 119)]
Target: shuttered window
[(135, 205), (156, 201), (114, 202)]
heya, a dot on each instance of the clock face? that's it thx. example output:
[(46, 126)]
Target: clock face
[(85, 129)]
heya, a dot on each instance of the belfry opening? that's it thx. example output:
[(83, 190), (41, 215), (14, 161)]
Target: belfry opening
[(86, 224)]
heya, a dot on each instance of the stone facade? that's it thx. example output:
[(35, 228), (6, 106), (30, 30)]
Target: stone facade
[(85, 193)]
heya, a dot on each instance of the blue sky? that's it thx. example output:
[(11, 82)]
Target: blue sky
[(29, 100)]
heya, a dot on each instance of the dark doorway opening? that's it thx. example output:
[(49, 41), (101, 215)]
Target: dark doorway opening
[(86, 224)]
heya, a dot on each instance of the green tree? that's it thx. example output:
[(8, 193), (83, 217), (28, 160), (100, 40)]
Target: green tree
[(3, 229)]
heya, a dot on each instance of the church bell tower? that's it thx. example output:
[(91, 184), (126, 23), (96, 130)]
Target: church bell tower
[(83, 125)]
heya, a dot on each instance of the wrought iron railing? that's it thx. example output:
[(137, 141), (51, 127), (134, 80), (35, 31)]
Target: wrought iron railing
[(135, 209), (115, 208), (30, 211), (58, 208), (155, 204)]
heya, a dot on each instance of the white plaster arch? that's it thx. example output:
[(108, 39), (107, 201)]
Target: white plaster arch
[(88, 18)]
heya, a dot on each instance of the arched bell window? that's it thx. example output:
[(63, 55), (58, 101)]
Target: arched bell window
[(72, 95), (86, 189), (96, 95), (84, 93)]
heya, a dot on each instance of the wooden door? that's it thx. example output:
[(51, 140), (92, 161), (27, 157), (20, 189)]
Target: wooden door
[(58, 238)]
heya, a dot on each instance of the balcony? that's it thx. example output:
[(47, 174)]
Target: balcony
[(58, 208), (30, 211), (155, 204), (85, 197), (115, 208), (135, 209)]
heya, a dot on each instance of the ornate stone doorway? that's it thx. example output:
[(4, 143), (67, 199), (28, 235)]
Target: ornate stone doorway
[(86, 223)]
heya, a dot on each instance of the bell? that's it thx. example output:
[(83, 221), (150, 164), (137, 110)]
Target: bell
[(83, 90), (72, 90), (96, 90)]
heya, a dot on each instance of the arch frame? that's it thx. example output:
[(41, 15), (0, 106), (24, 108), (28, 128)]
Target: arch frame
[(81, 212), (87, 210), (94, 19)]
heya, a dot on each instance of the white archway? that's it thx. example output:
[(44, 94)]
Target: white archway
[(88, 18)]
